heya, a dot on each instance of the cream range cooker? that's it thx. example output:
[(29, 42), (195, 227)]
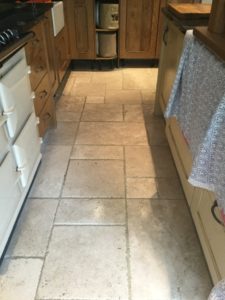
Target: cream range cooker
[(19, 141)]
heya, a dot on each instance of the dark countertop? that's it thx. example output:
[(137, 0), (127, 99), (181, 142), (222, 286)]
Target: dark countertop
[(187, 24), (22, 18)]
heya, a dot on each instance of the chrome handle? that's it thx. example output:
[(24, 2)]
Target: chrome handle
[(213, 208), (9, 111)]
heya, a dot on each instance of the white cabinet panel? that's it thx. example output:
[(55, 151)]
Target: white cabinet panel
[(9, 195), (27, 149), (16, 97), (3, 139)]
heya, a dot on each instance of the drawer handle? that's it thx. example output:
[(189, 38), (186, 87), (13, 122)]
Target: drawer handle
[(35, 42), (47, 116), (40, 69), (9, 112), (165, 33), (213, 208), (43, 94)]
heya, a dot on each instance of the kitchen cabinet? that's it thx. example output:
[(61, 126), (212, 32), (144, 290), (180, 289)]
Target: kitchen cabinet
[(61, 53), (80, 19), (171, 48), (211, 233), (138, 28), (43, 77), (200, 201)]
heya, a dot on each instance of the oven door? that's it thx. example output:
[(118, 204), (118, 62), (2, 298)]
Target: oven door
[(10, 197), (27, 149), (16, 97), (3, 139)]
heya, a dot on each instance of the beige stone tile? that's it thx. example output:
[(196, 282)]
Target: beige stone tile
[(91, 212), (95, 99), (19, 278), (50, 176), (107, 76), (139, 162), (90, 89), (156, 132), (97, 152), (63, 134), (102, 112), (170, 188), (91, 264), (136, 79), (69, 116), (133, 113), (114, 84), (111, 133), (163, 162), (70, 103), (149, 115), (81, 76), (123, 96), (141, 188), (32, 232), (166, 260), (94, 178), (148, 95), (68, 86)]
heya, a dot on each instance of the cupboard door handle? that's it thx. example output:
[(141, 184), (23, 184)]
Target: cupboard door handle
[(43, 94), (165, 33), (39, 69), (46, 116), (213, 208)]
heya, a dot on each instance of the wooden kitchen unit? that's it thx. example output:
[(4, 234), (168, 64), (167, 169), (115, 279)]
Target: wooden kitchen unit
[(43, 77), (138, 35)]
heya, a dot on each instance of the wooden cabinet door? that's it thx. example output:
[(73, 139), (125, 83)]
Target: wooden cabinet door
[(138, 28), (62, 61), (81, 28), (49, 43)]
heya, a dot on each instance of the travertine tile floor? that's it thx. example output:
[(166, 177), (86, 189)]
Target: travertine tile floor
[(106, 217)]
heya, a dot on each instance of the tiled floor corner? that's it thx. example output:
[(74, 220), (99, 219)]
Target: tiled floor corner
[(106, 217)]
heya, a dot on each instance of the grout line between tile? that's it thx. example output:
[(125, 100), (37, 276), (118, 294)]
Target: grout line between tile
[(127, 232), (46, 252)]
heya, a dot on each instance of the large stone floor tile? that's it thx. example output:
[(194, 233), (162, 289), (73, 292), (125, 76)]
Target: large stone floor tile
[(165, 255), (136, 79), (156, 133), (139, 162), (63, 134), (91, 89), (133, 113), (141, 188), (95, 99), (95, 178), (91, 264), (170, 188), (148, 96), (102, 113), (19, 278), (123, 96), (163, 162), (50, 176), (111, 133), (30, 238), (97, 152), (70, 103), (91, 212)]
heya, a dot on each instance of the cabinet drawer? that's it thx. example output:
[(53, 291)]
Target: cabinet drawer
[(9, 197), (27, 149), (36, 56), (211, 233), (41, 95), (46, 117), (3, 139), (181, 155)]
